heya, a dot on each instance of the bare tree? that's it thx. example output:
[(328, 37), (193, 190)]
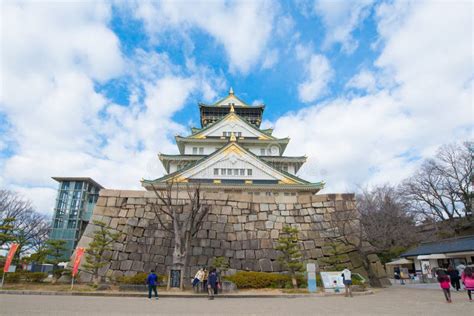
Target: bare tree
[(347, 230), (181, 217), (20, 223), (440, 189), (387, 224)]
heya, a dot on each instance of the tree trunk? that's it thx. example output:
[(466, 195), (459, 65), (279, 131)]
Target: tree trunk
[(295, 283)]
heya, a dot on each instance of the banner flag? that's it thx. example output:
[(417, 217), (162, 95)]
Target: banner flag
[(11, 253), (77, 260)]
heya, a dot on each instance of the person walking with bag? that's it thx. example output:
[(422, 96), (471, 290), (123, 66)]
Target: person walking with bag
[(444, 283), (454, 276), (468, 280)]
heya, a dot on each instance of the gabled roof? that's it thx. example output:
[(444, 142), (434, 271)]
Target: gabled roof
[(458, 244), (288, 178), (229, 117), (231, 98)]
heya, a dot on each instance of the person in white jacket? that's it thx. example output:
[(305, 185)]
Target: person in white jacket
[(198, 279), (347, 280)]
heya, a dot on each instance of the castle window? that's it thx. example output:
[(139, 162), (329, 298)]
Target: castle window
[(239, 134), (236, 172), (201, 150), (229, 172), (242, 172), (223, 172), (195, 150), (262, 151), (249, 172), (216, 171)]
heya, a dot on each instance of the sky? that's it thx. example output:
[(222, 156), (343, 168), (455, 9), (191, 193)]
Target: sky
[(365, 89)]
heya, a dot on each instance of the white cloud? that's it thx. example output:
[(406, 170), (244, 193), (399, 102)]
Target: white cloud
[(243, 28), (376, 138), (318, 75), (340, 18), (364, 80), (53, 57)]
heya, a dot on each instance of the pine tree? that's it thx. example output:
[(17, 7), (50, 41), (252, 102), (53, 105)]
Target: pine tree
[(291, 255), (336, 258), (6, 230), (96, 254)]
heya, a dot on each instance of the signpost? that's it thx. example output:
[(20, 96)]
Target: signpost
[(10, 255), (311, 271), (77, 262)]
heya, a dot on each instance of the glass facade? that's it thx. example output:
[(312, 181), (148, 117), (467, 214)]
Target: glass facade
[(75, 202)]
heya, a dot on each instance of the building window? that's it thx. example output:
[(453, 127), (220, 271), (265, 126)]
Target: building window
[(287, 194), (216, 171), (229, 172), (223, 172), (239, 134), (256, 193), (224, 134), (242, 172), (236, 172), (268, 193), (285, 168), (201, 150), (262, 151), (249, 172), (195, 150)]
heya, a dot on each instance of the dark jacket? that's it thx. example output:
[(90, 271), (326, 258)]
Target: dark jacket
[(453, 274), (152, 279), (212, 279)]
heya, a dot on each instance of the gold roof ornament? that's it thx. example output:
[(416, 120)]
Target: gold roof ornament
[(231, 91), (232, 110), (232, 137)]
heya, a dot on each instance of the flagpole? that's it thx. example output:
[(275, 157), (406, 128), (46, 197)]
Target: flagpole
[(72, 282), (3, 278)]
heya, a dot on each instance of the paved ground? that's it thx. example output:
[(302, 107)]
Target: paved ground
[(393, 301)]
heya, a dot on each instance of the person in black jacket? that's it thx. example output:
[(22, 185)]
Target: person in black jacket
[(211, 283), (454, 276)]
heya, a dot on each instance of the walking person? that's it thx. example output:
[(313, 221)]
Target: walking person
[(204, 280), (444, 283), (468, 280), (198, 278), (454, 276), (347, 280), (152, 282), (212, 283)]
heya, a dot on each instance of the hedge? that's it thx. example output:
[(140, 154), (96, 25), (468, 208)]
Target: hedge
[(259, 280), (14, 277), (139, 278)]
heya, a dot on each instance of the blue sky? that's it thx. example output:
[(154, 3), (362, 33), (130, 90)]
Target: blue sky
[(366, 89)]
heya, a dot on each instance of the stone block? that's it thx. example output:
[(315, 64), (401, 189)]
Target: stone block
[(111, 201), (229, 253), (235, 264), (268, 224), (241, 235), (262, 216), (215, 243), (242, 218), (240, 254), (212, 234), (254, 244), (309, 244), (245, 244), (231, 236), (266, 243), (226, 210), (236, 245), (249, 226), (138, 231), (237, 227), (249, 254), (126, 265), (222, 219), (202, 234), (204, 242), (274, 234), (265, 265), (252, 218), (281, 207)]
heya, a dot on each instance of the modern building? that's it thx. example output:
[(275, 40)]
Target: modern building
[(75, 202), (231, 152)]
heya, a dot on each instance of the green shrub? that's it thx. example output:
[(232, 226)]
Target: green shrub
[(139, 278), (35, 276), (13, 277), (259, 280)]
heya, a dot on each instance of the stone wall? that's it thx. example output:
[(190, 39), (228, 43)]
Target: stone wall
[(241, 227)]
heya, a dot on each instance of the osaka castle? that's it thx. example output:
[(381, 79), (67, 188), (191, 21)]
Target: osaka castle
[(230, 152)]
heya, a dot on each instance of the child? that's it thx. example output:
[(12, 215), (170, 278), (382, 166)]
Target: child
[(445, 284), (336, 287), (468, 280)]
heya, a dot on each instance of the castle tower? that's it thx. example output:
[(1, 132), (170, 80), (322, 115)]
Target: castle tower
[(231, 152)]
